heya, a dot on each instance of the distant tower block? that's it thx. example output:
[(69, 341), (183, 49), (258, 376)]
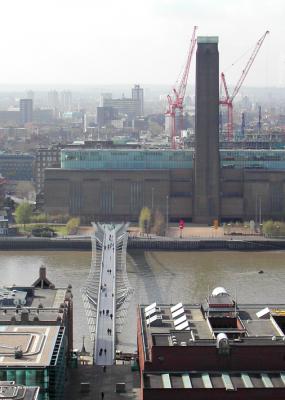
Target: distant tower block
[(207, 161), (137, 94)]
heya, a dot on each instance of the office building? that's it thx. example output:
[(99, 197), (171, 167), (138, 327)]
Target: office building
[(105, 115), (53, 102), (125, 106), (26, 111), (220, 349), (137, 94), (36, 334), (46, 157), (104, 96), (132, 107), (10, 117), (66, 101), (10, 390), (17, 167)]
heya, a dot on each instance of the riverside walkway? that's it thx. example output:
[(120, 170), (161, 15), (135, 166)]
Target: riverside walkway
[(107, 291)]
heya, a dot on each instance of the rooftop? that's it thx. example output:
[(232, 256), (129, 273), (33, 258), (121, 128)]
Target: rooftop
[(193, 324), (27, 346), (40, 302), (207, 39), (10, 390)]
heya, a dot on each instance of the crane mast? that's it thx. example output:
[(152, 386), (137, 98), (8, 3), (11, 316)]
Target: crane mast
[(227, 100), (175, 102)]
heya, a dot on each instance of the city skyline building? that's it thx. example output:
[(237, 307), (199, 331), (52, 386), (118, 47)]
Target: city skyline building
[(26, 111), (138, 94), (66, 100)]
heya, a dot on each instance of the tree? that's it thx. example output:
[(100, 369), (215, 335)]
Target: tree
[(72, 226), (273, 228), (158, 223), (23, 213), (144, 219)]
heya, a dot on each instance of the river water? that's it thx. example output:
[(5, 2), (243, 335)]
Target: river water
[(164, 277)]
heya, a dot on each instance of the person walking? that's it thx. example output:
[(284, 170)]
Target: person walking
[(102, 395)]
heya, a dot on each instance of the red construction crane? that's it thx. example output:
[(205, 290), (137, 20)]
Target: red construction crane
[(227, 100), (175, 102)]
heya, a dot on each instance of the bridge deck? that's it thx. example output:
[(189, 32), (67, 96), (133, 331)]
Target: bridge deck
[(106, 312)]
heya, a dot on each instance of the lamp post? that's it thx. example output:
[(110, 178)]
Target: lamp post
[(152, 199), (260, 214), (167, 211)]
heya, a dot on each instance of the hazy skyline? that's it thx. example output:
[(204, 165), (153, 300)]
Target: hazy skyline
[(130, 41)]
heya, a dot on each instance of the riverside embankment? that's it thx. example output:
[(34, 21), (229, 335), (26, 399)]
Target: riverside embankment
[(167, 244)]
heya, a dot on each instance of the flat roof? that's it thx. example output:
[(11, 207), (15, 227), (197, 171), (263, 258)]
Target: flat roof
[(42, 306), (10, 390), (37, 344), (195, 325)]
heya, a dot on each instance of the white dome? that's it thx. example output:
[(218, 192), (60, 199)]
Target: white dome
[(219, 291)]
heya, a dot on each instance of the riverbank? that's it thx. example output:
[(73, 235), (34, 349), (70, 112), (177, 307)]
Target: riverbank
[(160, 244)]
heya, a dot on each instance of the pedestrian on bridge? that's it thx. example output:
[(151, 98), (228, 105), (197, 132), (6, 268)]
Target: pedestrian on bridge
[(103, 312), (102, 395), (105, 351), (111, 316)]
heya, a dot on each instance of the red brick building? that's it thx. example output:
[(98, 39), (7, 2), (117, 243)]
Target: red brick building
[(217, 350)]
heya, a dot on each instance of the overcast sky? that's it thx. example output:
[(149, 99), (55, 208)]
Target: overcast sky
[(135, 41)]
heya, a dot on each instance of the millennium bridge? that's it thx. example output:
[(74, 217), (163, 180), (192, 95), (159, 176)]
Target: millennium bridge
[(107, 291)]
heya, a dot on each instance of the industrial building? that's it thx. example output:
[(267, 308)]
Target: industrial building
[(36, 335), (201, 185), (216, 350)]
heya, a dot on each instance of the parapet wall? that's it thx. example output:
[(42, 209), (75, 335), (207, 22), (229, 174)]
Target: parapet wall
[(144, 244)]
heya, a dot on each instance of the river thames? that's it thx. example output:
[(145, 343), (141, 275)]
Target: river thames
[(164, 277)]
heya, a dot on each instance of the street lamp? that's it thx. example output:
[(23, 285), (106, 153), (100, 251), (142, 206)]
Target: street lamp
[(167, 211), (152, 199)]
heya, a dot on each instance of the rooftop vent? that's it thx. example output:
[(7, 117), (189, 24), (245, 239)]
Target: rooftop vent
[(223, 344), (24, 315), (18, 354), (219, 291)]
